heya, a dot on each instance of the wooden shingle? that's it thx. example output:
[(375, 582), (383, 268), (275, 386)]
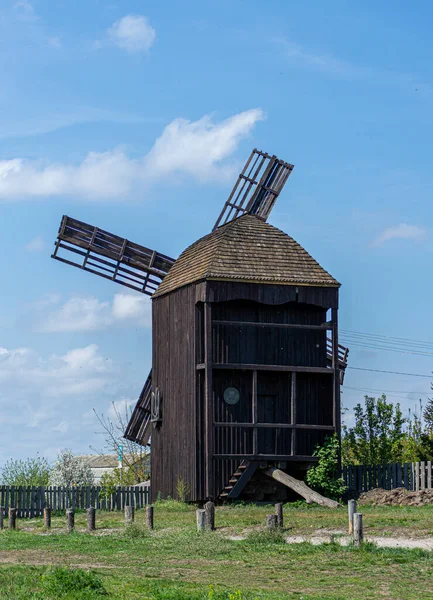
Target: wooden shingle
[(246, 249)]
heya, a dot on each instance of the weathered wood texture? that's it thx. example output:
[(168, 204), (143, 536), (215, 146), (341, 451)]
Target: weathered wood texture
[(358, 531), (279, 514), (271, 522), (412, 476), (351, 509), (2, 516), (12, 522), (47, 518), (129, 514), (178, 443), (200, 348), (149, 517), (70, 520), (301, 488), (91, 518), (31, 501)]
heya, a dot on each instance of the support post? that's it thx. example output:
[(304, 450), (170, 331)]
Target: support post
[(12, 518), (47, 517), (129, 514), (209, 508), (293, 411), (209, 450), (2, 517), (70, 520), (358, 533), (201, 519), (336, 369), (149, 517), (271, 522), (279, 514), (91, 519), (255, 414), (351, 507)]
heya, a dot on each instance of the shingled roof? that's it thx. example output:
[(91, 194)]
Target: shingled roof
[(246, 249)]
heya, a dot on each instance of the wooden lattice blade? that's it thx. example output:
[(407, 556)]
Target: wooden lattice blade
[(110, 256), (257, 187), (139, 427)]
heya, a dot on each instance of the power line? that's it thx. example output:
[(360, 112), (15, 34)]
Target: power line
[(370, 346), (390, 372), (387, 391), (390, 339)]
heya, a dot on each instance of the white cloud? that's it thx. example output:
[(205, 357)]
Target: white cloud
[(78, 314), (132, 33), (37, 244), (401, 231), (199, 149), (90, 314), (132, 307), (80, 371), (62, 427)]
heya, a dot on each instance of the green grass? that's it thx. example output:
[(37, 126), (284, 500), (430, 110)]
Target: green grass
[(175, 562)]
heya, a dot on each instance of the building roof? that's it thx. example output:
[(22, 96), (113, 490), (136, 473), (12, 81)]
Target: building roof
[(246, 249), (99, 461)]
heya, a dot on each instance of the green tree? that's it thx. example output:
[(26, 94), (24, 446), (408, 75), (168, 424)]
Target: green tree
[(428, 415), (31, 471), (322, 477), (377, 436)]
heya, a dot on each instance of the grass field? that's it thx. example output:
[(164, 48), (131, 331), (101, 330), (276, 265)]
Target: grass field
[(175, 562)]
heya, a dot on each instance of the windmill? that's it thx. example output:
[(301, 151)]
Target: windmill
[(246, 366)]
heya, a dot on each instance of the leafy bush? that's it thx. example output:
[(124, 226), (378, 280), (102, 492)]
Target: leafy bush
[(322, 477), (70, 470), (31, 471)]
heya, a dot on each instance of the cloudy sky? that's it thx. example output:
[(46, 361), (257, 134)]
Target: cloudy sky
[(136, 116)]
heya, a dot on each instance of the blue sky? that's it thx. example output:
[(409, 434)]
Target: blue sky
[(136, 116)]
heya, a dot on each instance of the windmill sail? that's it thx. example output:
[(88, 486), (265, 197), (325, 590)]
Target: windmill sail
[(140, 426), (257, 187), (110, 256)]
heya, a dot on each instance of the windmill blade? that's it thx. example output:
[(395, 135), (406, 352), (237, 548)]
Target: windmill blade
[(139, 427), (110, 256), (257, 187)]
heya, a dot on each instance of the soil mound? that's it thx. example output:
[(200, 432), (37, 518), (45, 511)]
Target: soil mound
[(396, 497)]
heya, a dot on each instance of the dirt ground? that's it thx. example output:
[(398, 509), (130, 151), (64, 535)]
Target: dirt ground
[(396, 497)]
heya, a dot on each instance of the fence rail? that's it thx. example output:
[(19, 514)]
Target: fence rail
[(31, 501), (412, 476)]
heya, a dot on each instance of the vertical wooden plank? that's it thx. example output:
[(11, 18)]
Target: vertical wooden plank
[(417, 476), (293, 411), (422, 480), (394, 475), (406, 476), (209, 429), (429, 478), (336, 376), (399, 475), (254, 412)]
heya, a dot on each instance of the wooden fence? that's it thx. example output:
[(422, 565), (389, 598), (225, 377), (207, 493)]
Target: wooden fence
[(31, 501), (412, 476)]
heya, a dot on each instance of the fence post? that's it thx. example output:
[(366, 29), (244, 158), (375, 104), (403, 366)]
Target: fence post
[(271, 522), (47, 517), (351, 506), (129, 514), (12, 518), (209, 508), (201, 519), (358, 533), (2, 516), (70, 520), (279, 514), (429, 474), (91, 518), (422, 467), (417, 476), (149, 517)]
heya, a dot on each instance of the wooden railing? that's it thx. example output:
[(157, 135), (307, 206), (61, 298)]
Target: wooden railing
[(412, 476), (31, 501)]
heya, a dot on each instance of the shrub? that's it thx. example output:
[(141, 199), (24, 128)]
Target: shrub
[(322, 477)]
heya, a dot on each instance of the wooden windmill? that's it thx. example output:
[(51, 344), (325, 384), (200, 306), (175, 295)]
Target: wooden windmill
[(246, 365)]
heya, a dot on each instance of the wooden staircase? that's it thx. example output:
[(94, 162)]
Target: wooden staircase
[(239, 479), (343, 354)]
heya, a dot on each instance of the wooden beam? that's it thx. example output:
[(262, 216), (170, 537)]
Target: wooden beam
[(324, 327), (301, 488), (268, 457), (254, 411), (243, 479), (276, 426), (282, 368), (293, 410), (209, 443)]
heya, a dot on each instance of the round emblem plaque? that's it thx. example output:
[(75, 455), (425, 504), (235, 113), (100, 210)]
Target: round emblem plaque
[(231, 395)]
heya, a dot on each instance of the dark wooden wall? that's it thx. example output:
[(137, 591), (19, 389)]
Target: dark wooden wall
[(189, 354), (175, 442)]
